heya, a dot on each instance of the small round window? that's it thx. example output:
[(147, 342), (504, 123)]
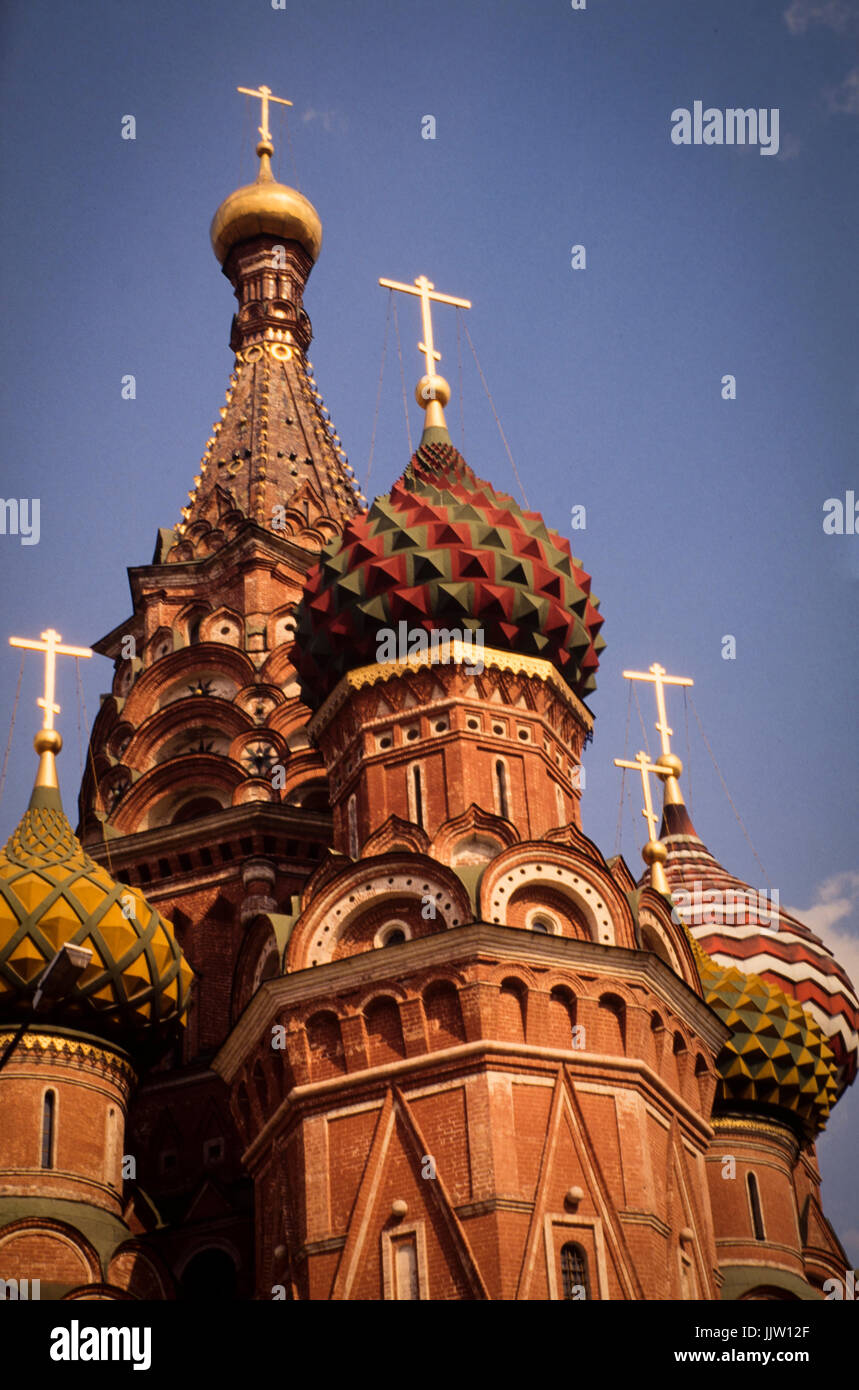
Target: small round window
[(544, 924)]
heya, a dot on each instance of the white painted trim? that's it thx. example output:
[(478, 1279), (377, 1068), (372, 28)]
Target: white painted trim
[(593, 1223), (389, 1240)]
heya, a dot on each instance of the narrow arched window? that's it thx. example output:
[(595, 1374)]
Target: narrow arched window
[(418, 795), (406, 1269), (574, 1272), (755, 1203), (352, 819), (194, 628), (49, 1109), (501, 788)]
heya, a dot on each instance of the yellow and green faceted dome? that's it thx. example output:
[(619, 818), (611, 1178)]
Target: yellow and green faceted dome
[(136, 987), (444, 550), (777, 1057)]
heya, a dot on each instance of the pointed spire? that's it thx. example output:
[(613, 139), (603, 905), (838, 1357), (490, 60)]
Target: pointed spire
[(675, 817), (274, 456)]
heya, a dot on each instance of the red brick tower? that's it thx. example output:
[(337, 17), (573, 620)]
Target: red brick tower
[(485, 1066), (92, 984), (202, 785)]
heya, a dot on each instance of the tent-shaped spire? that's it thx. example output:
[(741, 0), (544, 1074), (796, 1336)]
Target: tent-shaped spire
[(274, 456)]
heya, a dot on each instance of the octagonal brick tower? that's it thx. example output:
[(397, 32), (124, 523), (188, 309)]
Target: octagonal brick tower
[(483, 1067), (68, 1066)]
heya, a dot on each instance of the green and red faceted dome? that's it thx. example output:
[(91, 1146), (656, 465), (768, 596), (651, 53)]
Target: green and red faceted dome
[(444, 550)]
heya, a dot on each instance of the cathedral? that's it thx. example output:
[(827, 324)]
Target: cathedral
[(330, 995)]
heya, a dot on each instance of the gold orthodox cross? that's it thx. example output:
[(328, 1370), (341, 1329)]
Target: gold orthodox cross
[(265, 96), (645, 767), (425, 291), (50, 645), (657, 674)]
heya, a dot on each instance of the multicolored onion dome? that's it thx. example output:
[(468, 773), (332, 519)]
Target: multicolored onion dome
[(444, 550), (51, 892), (738, 926), (777, 1058)]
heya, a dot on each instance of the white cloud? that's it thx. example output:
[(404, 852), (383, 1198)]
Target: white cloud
[(834, 917), (834, 14), (845, 98), (331, 120)]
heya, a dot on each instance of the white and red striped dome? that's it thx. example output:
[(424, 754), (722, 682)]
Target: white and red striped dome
[(741, 927)]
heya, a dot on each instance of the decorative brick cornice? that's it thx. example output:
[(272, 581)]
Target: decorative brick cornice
[(477, 941), (456, 654), (69, 1049)]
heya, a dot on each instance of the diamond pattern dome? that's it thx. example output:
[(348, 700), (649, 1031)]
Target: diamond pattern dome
[(52, 893), (444, 550), (776, 1055)]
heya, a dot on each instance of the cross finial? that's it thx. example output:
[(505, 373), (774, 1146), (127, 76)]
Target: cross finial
[(51, 646), (645, 766), (265, 96), (660, 678), (432, 392), (654, 852)]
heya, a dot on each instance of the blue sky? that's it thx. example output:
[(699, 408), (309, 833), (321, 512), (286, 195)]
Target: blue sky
[(704, 516)]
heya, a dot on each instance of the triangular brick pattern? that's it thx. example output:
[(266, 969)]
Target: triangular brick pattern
[(393, 1173), (445, 550), (760, 941)]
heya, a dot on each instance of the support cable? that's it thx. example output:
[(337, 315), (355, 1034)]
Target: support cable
[(497, 420), (688, 755), (728, 794), (641, 722), (402, 374), (619, 832), (461, 396), (11, 729)]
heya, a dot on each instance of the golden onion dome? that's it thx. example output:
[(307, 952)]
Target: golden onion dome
[(777, 1057), (52, 894), (266, 207)]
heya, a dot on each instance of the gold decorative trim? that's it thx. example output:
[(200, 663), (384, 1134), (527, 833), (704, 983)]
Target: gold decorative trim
[(67, 1048), (759, 1126), (457, 653), (255, 352)]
